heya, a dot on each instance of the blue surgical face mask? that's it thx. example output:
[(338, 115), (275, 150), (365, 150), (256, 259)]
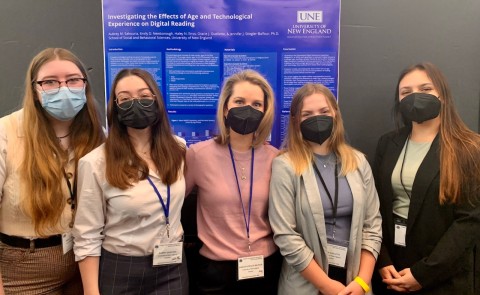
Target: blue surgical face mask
[(63, 105)]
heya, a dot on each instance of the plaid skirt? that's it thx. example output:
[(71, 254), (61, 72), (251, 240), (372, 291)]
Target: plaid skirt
[(136, 275), (43, 271)]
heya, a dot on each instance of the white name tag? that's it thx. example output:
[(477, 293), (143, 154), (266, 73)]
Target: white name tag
[(67, 242), (400, 233), (169, 253), (337, 254), (250, 267)]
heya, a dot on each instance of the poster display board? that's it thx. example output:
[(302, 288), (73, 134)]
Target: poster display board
[(190, 47)]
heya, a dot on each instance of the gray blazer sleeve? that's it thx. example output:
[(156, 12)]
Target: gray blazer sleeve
[(372, 226), (282, 205)]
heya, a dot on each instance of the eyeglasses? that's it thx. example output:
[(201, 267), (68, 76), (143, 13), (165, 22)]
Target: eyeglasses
[(53, 86), (125, 103)]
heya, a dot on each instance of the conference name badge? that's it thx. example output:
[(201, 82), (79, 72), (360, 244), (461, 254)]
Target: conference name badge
[(250, 267), (168, 253)]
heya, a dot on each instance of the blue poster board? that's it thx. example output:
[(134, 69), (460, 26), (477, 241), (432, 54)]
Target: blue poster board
[(191, 46)]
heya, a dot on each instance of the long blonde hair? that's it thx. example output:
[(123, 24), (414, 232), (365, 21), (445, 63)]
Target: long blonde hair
[(266, 124), (299, 151), (42, 169)]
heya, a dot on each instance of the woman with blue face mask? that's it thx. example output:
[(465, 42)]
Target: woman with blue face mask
[(427, 174), (39, 150)]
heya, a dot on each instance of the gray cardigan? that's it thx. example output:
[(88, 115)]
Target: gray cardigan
[(297, 219)]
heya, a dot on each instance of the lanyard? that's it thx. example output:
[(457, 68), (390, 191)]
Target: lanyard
[(247, 221), (72, 191), (401, 169), (333, 202), (166, 209)]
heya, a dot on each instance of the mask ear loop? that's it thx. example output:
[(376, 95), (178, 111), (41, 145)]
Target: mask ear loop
[(225, 115), (36, 96), (255, 134)]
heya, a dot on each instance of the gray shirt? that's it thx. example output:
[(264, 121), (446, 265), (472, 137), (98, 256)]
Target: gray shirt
[(338, 229)]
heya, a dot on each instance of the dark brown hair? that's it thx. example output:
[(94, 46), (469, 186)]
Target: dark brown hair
[(124, 167), (459, 146)]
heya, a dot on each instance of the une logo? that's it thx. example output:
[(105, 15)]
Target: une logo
[(309, 16)]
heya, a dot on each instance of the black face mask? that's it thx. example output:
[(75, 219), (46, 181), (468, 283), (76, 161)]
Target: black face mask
[(244, 120), (138, 116), (317, 128), (419, 107)]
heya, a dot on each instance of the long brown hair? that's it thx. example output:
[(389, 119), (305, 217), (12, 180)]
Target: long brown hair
[(459, 146), (298, 148), (123, 165), (265, 126), (44, 159)]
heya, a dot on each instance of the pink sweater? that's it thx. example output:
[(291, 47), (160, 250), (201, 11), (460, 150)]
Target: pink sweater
[(220, 221)]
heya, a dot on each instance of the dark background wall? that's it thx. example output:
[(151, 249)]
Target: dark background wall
[(377, 40), (29, 26)]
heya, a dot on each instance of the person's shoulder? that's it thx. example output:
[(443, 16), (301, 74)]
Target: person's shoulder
[(361, 158), (270, 149), (282, 165), (358, 153), (15, 117), (11, 124), (206, 145), (395, 133), (180, 140), (95, 156), (283, 159)]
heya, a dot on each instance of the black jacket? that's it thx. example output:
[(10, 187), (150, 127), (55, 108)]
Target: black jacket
[(440, 238)]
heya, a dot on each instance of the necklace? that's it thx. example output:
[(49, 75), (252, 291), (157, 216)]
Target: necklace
[(243, 176), (145, 149), (327, 161), (62, 137), (64, 141), (240, 162)]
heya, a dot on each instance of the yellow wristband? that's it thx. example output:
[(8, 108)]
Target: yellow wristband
[(362, 284)]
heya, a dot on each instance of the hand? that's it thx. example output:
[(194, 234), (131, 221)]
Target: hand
[(389, 272), (352, 289), (332, 288), (406, 283)]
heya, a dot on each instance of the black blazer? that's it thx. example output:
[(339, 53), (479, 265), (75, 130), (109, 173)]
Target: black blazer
[(440, 238)]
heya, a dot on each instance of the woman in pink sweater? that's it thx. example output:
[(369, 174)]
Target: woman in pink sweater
[(232, 174)]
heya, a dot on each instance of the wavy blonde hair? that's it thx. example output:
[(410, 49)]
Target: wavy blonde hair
[(299, 151), (42, 169), (265, 126)]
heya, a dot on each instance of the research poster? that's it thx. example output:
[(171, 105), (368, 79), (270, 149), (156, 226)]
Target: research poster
[(190, 47)]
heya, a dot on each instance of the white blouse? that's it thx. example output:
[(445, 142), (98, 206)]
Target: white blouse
[(126, 222)]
